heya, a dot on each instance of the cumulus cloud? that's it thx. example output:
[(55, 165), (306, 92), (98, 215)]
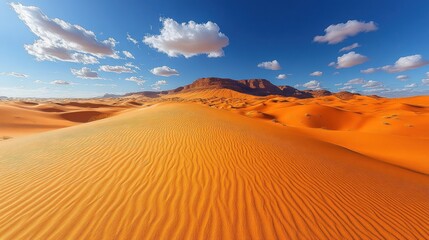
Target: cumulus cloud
[(338, 32), (273, 65), (313, 84), (116, 69), (406, 63), (164, 71), (355, 81), (85, 73), (281, 76), (128, 54), (402, 77), (131, 39), (411, 85), (316, 74), (188, 39), (62, 41), (350, 47), (425, 81), (15, 74), (349, 60), (60, 82), (138, 80), (332, 64), (369, 70), (372, 84), (157, 85)]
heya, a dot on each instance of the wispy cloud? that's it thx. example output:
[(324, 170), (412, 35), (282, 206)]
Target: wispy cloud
[(60, 82), (337, 33), (350, 47), (131, 39), (316, 74), (116, 69), (15, 74), (139, 80), (157, 85), (313, 84), (128, 54)]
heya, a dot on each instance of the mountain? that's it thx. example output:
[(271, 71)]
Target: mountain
[(256, 87)]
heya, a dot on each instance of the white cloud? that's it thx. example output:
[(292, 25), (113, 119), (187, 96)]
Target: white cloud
[(350, 59), (62, 41), (188, 39), (116, 69), (411, 85), (316, 74), (60, 82), (281, 76), (313, 84), (138, 80), (369, 70), (164, 71), (355, 81), (85, 73), (376, 90), (273, 65), (402, 77), (157, 85), (347, 87), (131, 39), (406, 63), (128, 54), (15, 74), (350, 47), (131, 65), (372, 84), (425, 81), (338, 32)]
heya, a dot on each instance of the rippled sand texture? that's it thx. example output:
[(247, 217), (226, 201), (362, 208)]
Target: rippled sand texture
[(182, 171)]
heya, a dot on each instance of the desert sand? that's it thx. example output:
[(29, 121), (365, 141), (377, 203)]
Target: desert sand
[(215, 164)]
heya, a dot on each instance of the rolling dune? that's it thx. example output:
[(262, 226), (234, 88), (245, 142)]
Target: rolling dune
[(184, 171)]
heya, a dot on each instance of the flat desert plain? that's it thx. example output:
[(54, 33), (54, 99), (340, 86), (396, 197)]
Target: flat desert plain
[(215, 164)]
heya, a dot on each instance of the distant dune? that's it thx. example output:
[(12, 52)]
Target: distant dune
[(216, 160)]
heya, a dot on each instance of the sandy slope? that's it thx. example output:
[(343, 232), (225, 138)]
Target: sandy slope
[(29, 117), (392, 130), (182, 171)]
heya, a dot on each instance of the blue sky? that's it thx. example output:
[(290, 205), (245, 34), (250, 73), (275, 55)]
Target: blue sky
[(225, 39)]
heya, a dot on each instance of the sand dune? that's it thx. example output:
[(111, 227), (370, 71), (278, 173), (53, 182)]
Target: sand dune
[(25, 117), (183, 171)]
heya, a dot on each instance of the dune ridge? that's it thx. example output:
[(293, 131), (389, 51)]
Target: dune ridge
[(149, 174)]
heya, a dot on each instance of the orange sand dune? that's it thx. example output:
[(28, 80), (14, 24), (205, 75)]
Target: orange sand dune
[(395, 131), (23, 118), (184, 171)]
